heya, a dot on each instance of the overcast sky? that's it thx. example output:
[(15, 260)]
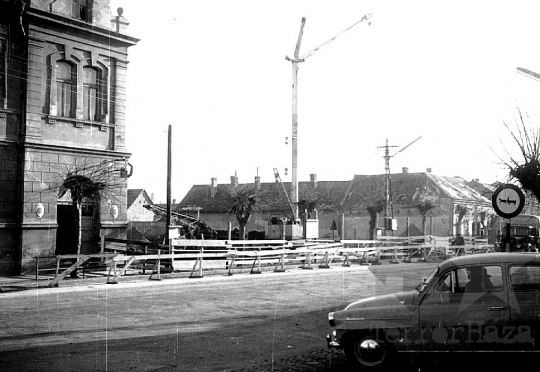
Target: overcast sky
[(216, 71)]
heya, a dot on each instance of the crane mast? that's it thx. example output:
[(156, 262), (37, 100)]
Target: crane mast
[(294, 140)]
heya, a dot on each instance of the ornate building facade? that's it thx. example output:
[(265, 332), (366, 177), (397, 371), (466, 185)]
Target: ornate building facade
[(63, 67)]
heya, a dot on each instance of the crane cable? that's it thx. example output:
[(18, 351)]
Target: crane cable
[(364, 18)]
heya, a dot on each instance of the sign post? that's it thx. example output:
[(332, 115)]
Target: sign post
[(508, 202)]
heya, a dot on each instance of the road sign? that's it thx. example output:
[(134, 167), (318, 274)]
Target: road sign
[(508, 200)]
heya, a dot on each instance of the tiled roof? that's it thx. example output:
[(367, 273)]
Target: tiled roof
[(458, 188), (329, 193), (357, 194), (405, 187), (133, 194)]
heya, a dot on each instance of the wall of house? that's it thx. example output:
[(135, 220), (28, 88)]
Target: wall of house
[(137, 211), (101, 12), (356, 226), (11, 86), (150, 230)]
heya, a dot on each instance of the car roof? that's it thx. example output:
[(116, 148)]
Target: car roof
[(491, 258)]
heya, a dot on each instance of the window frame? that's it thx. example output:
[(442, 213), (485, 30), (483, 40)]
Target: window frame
[(61, 83), (97, 88), (523, 287), (456, 283), (82, 10)]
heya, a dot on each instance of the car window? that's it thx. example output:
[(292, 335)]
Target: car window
[(445, 283), (483, 279), (461, 280), (525, 278)]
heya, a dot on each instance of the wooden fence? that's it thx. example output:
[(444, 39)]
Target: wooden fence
[(197, 256)]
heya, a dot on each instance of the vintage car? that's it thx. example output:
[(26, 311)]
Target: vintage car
[(483, 302)]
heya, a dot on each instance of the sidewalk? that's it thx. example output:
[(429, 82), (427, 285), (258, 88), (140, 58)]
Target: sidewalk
[(28, 282)]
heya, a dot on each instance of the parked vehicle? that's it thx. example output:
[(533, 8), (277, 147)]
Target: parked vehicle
[(485, 302), (524, 231)]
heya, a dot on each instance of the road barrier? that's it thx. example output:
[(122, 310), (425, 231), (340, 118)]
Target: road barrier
[(197, 256)]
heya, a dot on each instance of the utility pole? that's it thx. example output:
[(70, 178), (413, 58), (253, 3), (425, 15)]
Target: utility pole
[(295, 61), (387, 204), (169, 162), (388, 181)]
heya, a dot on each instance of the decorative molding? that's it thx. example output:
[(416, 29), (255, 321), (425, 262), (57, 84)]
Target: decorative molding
[(79, 124), (30, 225), (103, 128), (52, 121), (114, 225), (3, 115)]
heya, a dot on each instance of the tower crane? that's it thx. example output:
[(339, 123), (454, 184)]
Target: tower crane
[(529, 73), (294, 140)]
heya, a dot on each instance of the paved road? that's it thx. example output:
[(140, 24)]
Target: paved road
[(266, 322)]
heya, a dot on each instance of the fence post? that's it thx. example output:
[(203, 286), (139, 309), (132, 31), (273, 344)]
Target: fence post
[(102, 235), (144, 261), (308, 262), (346, 263), (37, 267), (378, 257), (281, 263), (394, 257), (325, 264), (158, 263)]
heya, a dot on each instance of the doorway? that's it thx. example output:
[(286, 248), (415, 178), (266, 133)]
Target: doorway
[(66, 239)]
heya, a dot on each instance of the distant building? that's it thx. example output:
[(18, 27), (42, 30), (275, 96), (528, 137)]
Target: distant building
[(62, 107), (348, 203), (136, 200)]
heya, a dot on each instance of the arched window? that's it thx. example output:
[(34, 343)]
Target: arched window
[(91, 94), (66, 89)]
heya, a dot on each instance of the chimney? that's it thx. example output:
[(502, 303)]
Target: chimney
[(213, 187), (234, 181), (174, 201), (152, 197), (257, 182), (405, 170), (428, 170), (313, 180)]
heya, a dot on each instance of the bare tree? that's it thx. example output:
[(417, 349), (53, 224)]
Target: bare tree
[(312, 199), (424, 199), (244, 201), (89, 183), (526, 170), (461, 211), (374, 211)]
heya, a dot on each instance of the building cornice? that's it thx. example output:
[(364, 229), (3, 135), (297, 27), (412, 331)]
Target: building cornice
[(77, 150), (80, 26)]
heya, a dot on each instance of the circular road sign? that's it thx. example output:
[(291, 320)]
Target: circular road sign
[(508, 201)]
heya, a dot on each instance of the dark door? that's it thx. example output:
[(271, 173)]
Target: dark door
[(66, 241)]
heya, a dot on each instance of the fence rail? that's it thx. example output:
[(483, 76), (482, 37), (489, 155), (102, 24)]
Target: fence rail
[(196, 256)]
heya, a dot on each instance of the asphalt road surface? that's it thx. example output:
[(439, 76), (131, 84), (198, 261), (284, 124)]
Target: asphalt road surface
[(249, 323)]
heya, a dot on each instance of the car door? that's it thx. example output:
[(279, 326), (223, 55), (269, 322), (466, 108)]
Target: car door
[(524, 292), (453, 317)]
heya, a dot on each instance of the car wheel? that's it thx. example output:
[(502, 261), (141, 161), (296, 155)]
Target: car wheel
[(367, 351)]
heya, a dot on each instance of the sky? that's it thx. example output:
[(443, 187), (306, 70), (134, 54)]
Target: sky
[(215, 71)]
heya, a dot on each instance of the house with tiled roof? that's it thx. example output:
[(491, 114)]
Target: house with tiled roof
[(211, 203), (409, 192), (136, 200), (348, 203)]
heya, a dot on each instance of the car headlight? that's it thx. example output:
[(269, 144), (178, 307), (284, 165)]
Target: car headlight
[(331, 319)]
